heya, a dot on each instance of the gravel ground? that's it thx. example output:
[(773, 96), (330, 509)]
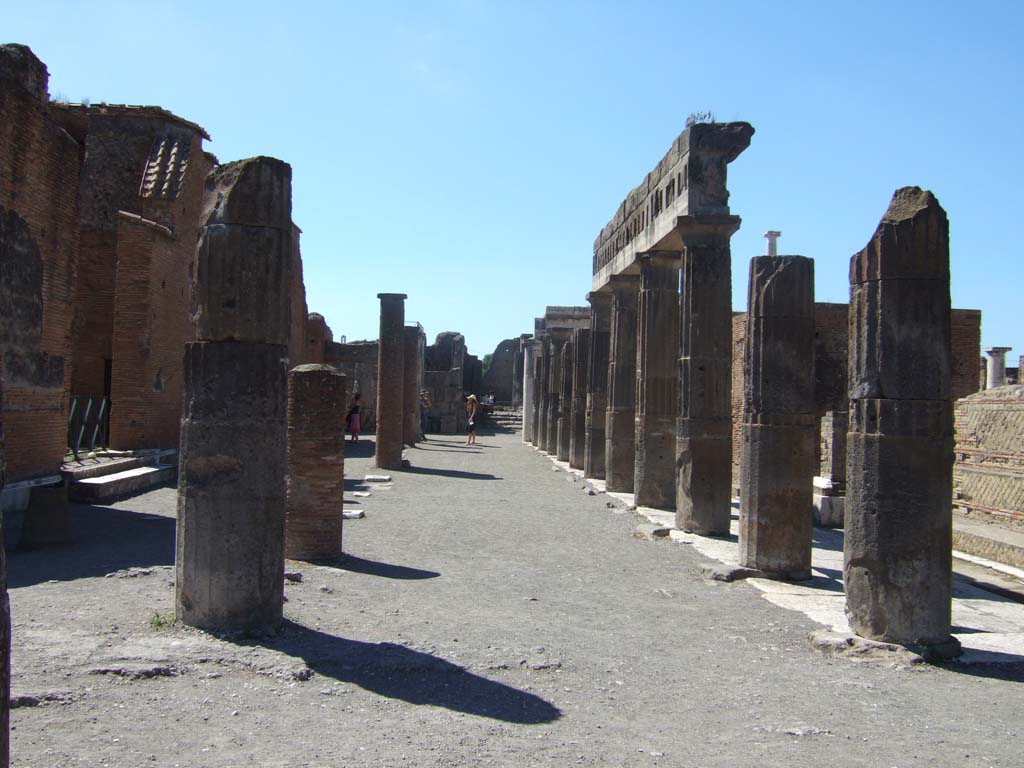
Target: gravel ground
[(489, 612)]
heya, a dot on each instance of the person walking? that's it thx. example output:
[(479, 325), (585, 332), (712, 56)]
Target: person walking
[(424, 406), (354, 420), (472, 406)]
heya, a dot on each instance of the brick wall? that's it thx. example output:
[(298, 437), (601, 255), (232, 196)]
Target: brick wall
[(358, 361), (318, 334), (39, 167), (988, 474), (965, 343)]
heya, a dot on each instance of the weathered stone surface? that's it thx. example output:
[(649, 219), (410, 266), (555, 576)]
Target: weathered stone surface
[(390, 374), (20, 67), (620, 421), (578, 409), (231, 486), (499, 379), (897, 554), (597, 385), (531, 362), (414, 344), (256, 192), (317, 404), (565, 401), (657, 394), (704, 436), (554, 388), (5, 614), (544, 396)]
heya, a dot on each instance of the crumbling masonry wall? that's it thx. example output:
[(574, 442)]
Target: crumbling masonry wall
[(358, 361)]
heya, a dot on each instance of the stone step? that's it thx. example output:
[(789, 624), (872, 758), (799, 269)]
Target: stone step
[(989, 541), (122, 483)]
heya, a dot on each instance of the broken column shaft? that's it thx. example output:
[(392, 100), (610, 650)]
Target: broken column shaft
[(620, 424), (704, 428), (390, 380), (317, 397), (231, 484), (657, 398), (578, 410), (897, 566), (779, 419), (597, 384)]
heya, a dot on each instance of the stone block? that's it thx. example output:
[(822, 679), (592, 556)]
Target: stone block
[(256, 192), (703, 471)]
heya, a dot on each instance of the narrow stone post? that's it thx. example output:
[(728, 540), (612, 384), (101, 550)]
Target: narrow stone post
[(704, 429), (231, 483), (620, 424), (529, 388), (597, 384), (578, 411), (565, 402), (317, 396), (657, 372), (390, 380), (995, 375), (897, 564), (412, 376), (779, 420)]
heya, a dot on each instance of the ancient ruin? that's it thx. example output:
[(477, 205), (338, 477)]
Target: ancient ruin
[(578, 408), (390, 381), (620, 419), (597, 385)]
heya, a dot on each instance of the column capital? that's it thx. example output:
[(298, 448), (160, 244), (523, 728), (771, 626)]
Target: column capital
[(599, 299), (392, 296), (660, 257), (691, 228)]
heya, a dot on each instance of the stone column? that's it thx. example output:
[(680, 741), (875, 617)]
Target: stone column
[(704, 429), (657, 390), (5, 615), (540, 430), (897, 565), (597, 384), (390, 380), (578, 411), (565, 402), (620, 421), (317, 399), (518, 362), (779, 420), (231, 481), (529, 391), (554, 387), (996, 373), (412, 375)]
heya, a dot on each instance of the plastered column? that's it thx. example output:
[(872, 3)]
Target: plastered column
[(597, 385), (779, 420), (996, 367), (704, 428), (390, 380), (657, 398), (620, 424)]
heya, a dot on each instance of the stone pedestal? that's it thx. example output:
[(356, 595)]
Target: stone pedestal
[(597, 385), (231, 481), (620, 424), (317, 399), (578, 411), (413, 344), (657, 393), (565, 402), (779, 421), (529, 388), (704, 428), (897, 566), (390, 380)]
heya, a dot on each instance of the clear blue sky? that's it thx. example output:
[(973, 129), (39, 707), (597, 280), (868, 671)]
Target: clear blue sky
[(467, 153)]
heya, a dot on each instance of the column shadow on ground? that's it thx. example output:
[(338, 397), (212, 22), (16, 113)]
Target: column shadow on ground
[(360, 450), (456, 473), (356, 564), (412, 676)]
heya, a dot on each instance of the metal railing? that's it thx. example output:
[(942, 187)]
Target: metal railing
[(88, 423)]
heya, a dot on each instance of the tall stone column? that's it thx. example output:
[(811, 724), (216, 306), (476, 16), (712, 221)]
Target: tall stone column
[(779, 419), (529, 390), (565, 402), (597, 384), (578, 411), (231, 482), (554, 387), (897, 565), (390, 380), (412, 375), (657, 390), (704, 429), (540, 430), (995, 374), (317, 397), (620, 421), (5, 615)]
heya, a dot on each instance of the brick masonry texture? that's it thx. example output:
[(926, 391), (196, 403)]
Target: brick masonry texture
[(358, 361), (988, 475)]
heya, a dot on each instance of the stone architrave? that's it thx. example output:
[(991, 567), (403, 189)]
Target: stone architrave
[(231, 482), (779, 418), (897, 565), (578, 410), (390, 380), (620, 421), (565, 402), (529, 389), (597, 384), (704, 428), (317, 399), (657, 393), (554, 386), (412, 378)]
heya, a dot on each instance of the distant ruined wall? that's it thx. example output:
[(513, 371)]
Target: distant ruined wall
[(498, 380), (447, 414), (358, 361)]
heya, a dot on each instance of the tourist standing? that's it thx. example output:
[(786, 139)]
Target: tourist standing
[(354, 420), (472, 406), (424, 406)]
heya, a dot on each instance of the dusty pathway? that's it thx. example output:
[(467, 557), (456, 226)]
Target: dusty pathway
[(490, 613)]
